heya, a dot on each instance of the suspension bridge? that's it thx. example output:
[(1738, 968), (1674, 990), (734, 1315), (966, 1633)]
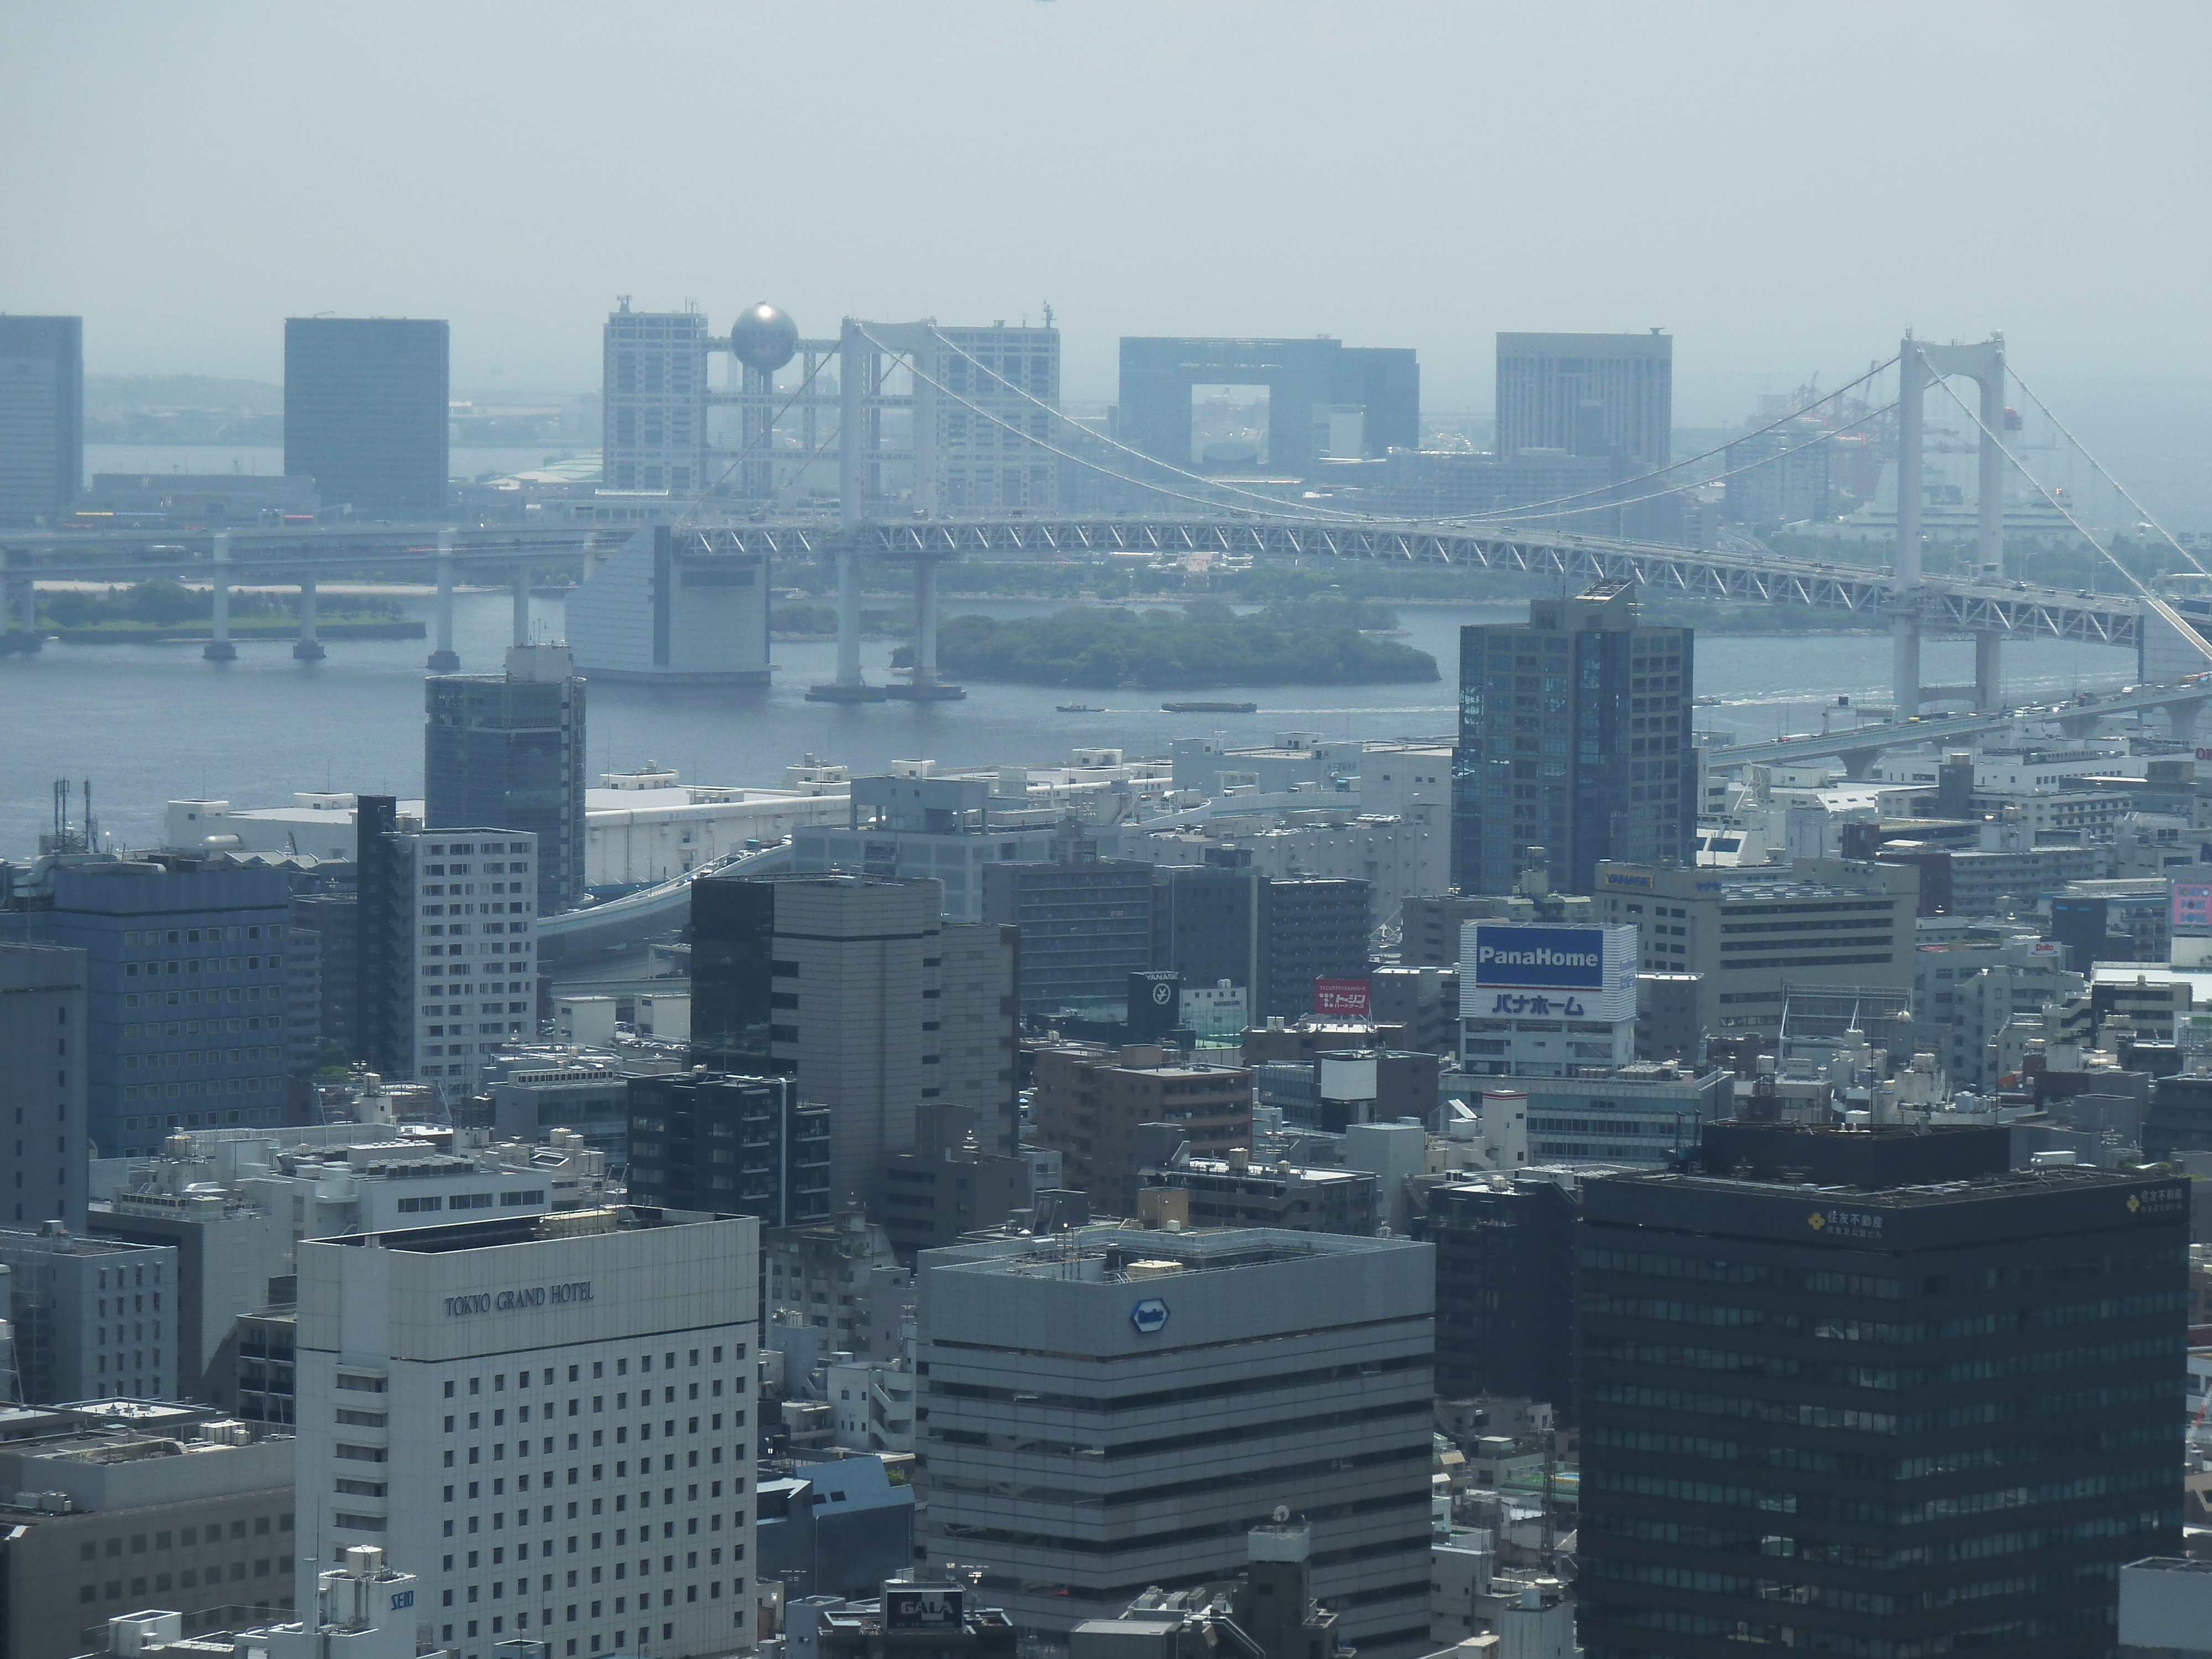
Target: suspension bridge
[(1200, 514)]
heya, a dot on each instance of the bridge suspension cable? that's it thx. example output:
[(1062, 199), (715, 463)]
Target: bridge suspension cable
[(2173, 618), (1065, 454), (1024, 393), (2125, 494), (1515, 514), (767, 434), (1706, 455)]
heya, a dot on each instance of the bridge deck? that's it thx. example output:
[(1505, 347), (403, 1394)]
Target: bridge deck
[(1939, 603)]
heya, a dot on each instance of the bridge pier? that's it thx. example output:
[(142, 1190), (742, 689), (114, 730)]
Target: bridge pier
[(19, 615), (924, 686), (2182, 717), (219, 648), (1905, 666), (1989, 672), (2079, 725), (854, 379), (307, 647), (442, 658), (1857, 762), (522, 604)]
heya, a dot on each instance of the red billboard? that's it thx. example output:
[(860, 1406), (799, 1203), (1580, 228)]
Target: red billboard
[(1340, 998)]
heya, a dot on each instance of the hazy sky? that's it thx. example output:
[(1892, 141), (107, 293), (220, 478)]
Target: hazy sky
[(1785, 188)]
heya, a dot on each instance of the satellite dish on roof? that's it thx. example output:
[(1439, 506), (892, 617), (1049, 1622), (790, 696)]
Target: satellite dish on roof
[(1282, 1513)]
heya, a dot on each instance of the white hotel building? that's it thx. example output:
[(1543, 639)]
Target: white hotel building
[(547, 1417)]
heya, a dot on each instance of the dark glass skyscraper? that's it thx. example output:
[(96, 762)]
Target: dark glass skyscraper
[(1861, 1399), (508, 750), (1574, 735), (42, 417), (366, 410), (736, 1145)]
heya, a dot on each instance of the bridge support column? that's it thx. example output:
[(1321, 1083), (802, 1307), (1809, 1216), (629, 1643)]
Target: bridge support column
[(307, 647), (219, 648), (442, 659), (1857, 762), (855, 377), (19, 615), (2182, 716), (1905, 674), (1989, 672), (924, 686), (522, 604)]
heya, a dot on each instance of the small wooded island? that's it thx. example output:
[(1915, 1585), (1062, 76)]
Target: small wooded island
[(1299, 642)]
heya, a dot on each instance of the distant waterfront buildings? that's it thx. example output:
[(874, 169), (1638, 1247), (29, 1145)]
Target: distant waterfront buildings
[(655, 401), (366, 411), (1587, 394), (1324, 398), (41, 418)]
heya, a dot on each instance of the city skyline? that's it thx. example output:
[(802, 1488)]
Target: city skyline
[(1396, 88)]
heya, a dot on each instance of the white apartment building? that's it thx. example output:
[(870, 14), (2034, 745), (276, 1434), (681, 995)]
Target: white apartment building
[(549, 1417), (465, 899)]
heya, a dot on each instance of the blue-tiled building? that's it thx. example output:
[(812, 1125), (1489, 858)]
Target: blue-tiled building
[(185, 996)]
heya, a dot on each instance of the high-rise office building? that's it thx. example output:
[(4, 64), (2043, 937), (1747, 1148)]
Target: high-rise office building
[(1505, 1254), (446, 947), (979, 1001), (331, 920), (655, 400), (1274, 936), (497, 1390), (185, 1022), (733, 1146), (831, 981), (1574, 735), (366, 413), (1864, 1390), (1609, 395), (1155, 1394), (1086, 925), (41, 417), (1324, 397), (43, 1036), (508, 749)]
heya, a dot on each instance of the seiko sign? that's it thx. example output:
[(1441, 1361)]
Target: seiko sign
[(536, 1296), (1547, 958)]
